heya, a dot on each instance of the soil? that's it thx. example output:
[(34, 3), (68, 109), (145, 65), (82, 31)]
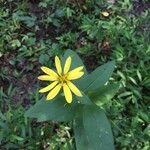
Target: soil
[(140, 6)]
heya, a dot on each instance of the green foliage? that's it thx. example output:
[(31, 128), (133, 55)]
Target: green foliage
[(33, 32), (107, 93), (100, 76), (18, 132), (92, 129), (58, 110)]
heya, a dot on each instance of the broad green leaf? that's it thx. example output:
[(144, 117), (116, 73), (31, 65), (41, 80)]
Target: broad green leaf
[(99, 76), (84, 82), (92, 129), (82, 142), (104, 94), (84, 99), (56, 110)]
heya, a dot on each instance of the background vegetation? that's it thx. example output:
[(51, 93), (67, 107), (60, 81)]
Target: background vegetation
[(32, 32)]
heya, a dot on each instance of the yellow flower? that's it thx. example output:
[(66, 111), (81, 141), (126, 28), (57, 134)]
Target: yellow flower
[(61, 79)]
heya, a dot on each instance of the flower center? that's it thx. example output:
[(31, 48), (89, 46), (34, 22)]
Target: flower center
[(63, 79)]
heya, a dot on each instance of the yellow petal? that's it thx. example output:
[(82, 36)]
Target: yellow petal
[(58, 65), (74, 89), (67, 65), (47, 78), (75, 75), (53, 92), (49, 71), (67, 92), (78, 69), (49, 87)]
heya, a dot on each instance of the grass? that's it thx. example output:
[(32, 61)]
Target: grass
[(33, 32)]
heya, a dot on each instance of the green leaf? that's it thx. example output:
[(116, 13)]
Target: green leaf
[(92, 129), (104, 94), (2, 116), (84, 99), (56, 110), (99, 76), (43, 59)]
